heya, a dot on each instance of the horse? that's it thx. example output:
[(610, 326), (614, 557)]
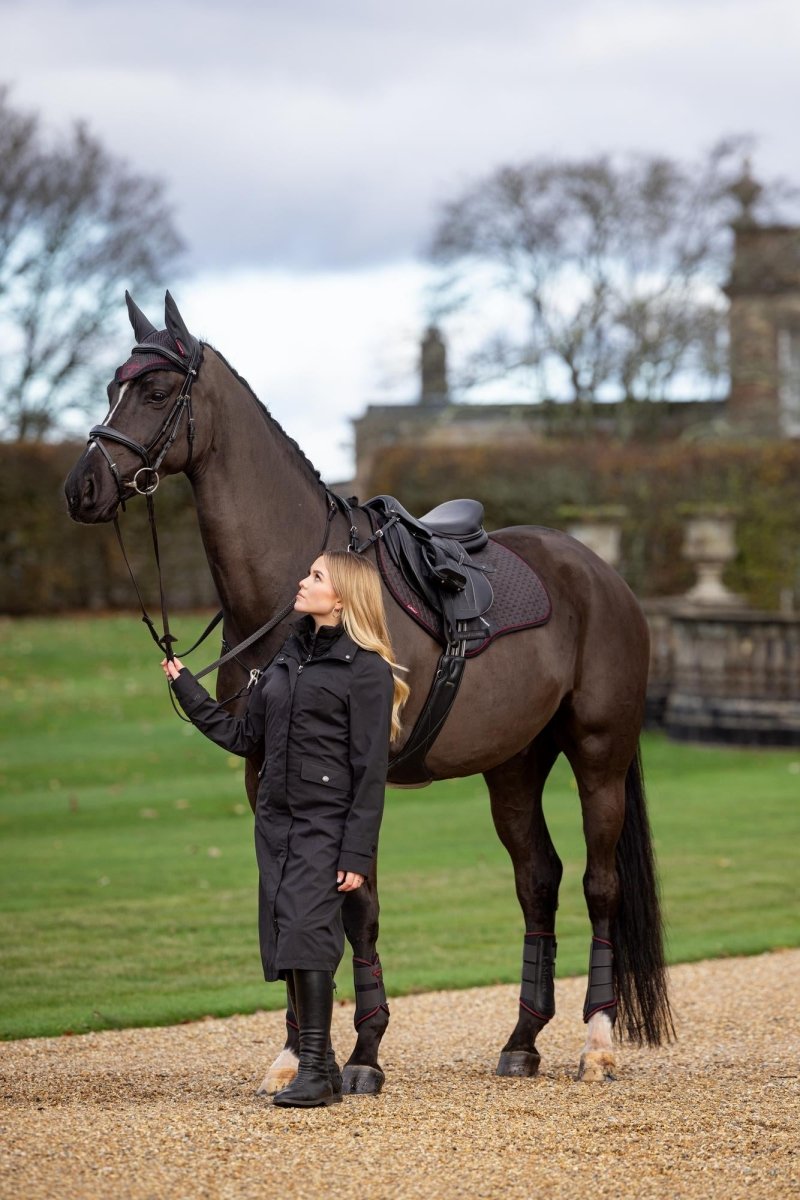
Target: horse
[(573, 686)]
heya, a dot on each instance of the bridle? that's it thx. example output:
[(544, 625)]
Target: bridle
[(168, 431), (166, 434)]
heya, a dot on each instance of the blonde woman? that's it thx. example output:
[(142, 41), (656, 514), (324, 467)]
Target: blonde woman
[(320, 718)]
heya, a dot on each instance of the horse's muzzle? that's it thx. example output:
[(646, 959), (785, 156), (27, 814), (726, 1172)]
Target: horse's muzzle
[(92, 496)]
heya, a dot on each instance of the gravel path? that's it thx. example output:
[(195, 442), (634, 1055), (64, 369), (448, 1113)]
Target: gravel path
[(170, 1114)]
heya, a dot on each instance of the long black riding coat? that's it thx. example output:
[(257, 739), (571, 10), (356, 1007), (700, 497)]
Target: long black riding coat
[(320, 718)]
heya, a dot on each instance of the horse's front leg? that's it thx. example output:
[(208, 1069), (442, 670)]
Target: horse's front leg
[(362, 1073), (283, 1070)]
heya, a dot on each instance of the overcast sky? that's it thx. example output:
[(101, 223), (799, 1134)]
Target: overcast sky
[(306, 145)]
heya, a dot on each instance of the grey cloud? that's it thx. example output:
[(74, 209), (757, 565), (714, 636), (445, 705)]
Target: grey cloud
[(322, 133)]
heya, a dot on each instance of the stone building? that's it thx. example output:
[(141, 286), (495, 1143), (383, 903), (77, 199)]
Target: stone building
[(720, 670), (764, 398)]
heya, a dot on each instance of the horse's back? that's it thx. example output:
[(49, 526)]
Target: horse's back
[(575, 576), (596, 612)]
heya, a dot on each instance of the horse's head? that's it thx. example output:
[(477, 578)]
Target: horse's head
[(149, 430)]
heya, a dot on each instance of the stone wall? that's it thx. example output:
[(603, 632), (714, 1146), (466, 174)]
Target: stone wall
[(727, 677)]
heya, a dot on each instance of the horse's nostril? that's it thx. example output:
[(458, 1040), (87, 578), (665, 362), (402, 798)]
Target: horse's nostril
[(88, 490)]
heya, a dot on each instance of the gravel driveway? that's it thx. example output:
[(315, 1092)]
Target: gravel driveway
[(171, 1114)]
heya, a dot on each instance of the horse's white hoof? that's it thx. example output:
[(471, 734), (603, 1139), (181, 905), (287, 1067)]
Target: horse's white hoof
[(279, 1075), (597, 1066)]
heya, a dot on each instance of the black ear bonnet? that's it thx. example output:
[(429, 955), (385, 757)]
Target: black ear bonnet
[(175, 339)]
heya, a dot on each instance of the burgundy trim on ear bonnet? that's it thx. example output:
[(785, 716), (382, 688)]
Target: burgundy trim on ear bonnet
[(175, 337), (137, 364)]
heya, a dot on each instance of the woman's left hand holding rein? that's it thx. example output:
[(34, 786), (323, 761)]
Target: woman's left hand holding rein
[(172, 669)]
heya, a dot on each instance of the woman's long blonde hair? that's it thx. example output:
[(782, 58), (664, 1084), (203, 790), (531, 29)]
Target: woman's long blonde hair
[(358, 585)]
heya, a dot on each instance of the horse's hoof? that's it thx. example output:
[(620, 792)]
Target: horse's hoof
[(361, 1080), (279, 1075), (596, 1066), (523, 1063)]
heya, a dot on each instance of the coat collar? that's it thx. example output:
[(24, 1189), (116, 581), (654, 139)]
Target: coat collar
[(343, 649)]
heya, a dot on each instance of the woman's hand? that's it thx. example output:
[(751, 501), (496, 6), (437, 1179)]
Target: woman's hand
[(348, 881), (172, 669)]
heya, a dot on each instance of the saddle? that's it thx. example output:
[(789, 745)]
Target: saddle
[(433, 555), (437, 567)]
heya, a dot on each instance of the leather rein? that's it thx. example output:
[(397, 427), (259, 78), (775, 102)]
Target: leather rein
[(168, 434)]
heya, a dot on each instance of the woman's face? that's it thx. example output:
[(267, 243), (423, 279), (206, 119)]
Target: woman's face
[(317, 597)]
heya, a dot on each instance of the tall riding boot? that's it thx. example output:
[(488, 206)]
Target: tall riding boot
[(312, 1087), (333, 1067)]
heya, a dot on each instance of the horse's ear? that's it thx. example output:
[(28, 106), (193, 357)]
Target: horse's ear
[(141, 326), (176, 327)]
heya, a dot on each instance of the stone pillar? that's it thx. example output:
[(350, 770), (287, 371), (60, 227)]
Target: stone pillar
[(434, 390), (764, 321)]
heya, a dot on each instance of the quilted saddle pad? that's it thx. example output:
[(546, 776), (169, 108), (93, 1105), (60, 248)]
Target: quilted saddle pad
[(521, 601)]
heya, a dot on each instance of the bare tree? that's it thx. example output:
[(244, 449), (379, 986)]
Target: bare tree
[(77, 226), (618, 264)]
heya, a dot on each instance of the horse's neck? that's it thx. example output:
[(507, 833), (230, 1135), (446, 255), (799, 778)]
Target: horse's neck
[(261, 512)]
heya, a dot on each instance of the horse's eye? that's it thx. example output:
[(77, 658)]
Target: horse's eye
[(157, 397)]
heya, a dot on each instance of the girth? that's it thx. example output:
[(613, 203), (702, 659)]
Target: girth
[(408, 767)]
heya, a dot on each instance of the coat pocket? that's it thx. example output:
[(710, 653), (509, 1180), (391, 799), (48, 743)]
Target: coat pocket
[(325, 776)]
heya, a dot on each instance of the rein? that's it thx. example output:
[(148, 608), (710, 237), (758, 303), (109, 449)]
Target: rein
[(169, 432)]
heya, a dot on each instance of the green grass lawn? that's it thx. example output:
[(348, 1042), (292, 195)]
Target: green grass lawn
[(127, 874)]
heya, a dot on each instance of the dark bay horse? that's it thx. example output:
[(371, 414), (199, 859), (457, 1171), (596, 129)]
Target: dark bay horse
[(574, 686)]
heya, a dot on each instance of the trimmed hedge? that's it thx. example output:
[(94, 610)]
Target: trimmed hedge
[(49, 564), (531, 483)]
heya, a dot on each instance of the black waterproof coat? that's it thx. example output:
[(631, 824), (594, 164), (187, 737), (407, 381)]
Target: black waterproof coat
[(319, 718)]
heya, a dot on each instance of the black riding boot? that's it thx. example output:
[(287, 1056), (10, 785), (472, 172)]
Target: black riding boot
[(333, 1067), (313, 1086)]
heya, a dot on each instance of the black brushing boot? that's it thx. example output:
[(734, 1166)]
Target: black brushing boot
[(313, 1086)]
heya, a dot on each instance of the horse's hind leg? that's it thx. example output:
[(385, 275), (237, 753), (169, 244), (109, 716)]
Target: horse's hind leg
[(627, 971), (515, 790), (362, 1073), (603, 805)]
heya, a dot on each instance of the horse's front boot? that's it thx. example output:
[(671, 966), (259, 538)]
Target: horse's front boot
[(334, 1071), (313, 1086)]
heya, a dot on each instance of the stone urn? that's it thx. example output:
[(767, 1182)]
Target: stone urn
[(598, 527), (709, 543)]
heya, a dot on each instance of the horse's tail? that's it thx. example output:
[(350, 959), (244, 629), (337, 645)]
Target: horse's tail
[(640, 975)]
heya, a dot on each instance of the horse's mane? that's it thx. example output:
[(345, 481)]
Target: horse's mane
[(301, 455)]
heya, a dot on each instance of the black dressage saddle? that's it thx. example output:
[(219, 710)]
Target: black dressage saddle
[(433, 555), (437, 568)]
